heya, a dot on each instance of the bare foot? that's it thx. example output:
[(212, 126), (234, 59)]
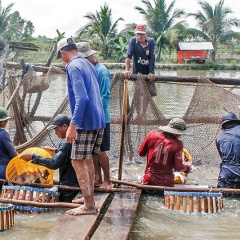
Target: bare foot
[(82, 210), (97, 184), (78, 200), (106, 185)]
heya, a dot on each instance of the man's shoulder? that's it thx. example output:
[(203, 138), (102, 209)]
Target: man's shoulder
[(150, 40), (102, 68)]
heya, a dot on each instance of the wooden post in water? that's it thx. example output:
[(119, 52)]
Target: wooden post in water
[(199, 205), (172, 202), (124, 111), (191, 204), (205, 204), (184, 203), (178, 203)]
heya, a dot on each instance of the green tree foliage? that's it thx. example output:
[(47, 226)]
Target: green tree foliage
[(101, 30), (216, 24), (12, 26)]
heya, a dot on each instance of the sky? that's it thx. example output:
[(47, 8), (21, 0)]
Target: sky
[(68, 17)]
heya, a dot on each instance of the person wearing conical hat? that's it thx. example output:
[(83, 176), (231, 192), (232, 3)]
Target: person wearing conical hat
[(164, 150), (228, 146), (7, 150)]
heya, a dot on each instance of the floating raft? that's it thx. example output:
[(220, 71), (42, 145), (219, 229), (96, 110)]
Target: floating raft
[(206, 202), (30, 194), (113, 221)]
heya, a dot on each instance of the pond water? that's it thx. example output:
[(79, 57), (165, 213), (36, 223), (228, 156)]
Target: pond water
[(153, 221)]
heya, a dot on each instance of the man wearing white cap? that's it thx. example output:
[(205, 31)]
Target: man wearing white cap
[(164, 154), (87, 124), (104, 77)]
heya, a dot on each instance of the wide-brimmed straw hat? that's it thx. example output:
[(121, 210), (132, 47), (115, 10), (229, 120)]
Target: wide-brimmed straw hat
[(3, 114), (176, 126)]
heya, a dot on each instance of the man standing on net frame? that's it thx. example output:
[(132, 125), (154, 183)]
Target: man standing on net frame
[(87, 124), (104, 77), (141, 50)]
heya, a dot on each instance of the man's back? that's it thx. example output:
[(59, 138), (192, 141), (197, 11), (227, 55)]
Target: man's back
[(84, 95), (228, 145)]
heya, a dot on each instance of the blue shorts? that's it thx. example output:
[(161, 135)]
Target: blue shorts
[(87, 144), (105, 146)]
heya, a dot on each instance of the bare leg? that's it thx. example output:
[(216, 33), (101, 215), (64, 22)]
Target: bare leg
[(98, 174), (84, 169), (104, 162)]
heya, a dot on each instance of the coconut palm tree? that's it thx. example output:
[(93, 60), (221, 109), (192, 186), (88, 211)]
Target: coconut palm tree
[(161, 19), (216, 24), (4, 17), (101, 30), (13, 26)]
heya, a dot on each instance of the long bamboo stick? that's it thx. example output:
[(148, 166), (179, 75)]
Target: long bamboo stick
[(40, 204), (63, 187), (178, 188), (124, 112), (162, 78)]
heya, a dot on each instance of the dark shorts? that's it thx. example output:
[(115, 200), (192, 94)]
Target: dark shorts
[(105, 146), (87, 144)]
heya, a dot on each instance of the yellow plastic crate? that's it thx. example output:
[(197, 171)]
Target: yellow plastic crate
[(17, 166)]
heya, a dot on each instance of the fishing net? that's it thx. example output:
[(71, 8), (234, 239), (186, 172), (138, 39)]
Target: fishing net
[(35, 99)]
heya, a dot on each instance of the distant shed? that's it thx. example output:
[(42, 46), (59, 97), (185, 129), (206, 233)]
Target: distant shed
[(193, 51)]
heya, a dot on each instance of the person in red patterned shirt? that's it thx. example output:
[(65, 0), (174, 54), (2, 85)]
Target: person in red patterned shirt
[(164, 154)]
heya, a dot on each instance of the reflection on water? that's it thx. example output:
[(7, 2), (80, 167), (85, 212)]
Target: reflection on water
[(153, 221)]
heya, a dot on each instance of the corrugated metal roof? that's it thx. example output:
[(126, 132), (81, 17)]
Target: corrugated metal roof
[(195, 46)]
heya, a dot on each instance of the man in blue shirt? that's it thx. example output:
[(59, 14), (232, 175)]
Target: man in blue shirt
[(141, 50), (87, 124), (228, 146), (104, 77)]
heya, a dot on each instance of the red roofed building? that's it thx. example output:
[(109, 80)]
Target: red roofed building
[(193, 51)]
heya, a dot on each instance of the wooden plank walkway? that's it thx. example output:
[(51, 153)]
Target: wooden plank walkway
[(118, 220), (76, 227)]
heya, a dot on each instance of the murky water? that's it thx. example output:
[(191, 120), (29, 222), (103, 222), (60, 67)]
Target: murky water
[(153, 221)]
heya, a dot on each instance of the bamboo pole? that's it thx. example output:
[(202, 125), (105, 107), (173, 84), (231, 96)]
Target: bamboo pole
[(63, 187), (161, 78), (176, 188), (124, 112), (40, 204)]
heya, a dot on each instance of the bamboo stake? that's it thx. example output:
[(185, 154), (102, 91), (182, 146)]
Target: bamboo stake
[(205, 201), (40, 204), (124, 111), (172, 202), (199, 204), (184, 203), (211, 204), (178, 203), (191, 204)]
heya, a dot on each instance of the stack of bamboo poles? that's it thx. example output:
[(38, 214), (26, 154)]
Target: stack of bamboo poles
[(206, 202), (6, 216), (29, 194)]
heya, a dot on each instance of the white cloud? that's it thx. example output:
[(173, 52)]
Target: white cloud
[(68, 16)]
